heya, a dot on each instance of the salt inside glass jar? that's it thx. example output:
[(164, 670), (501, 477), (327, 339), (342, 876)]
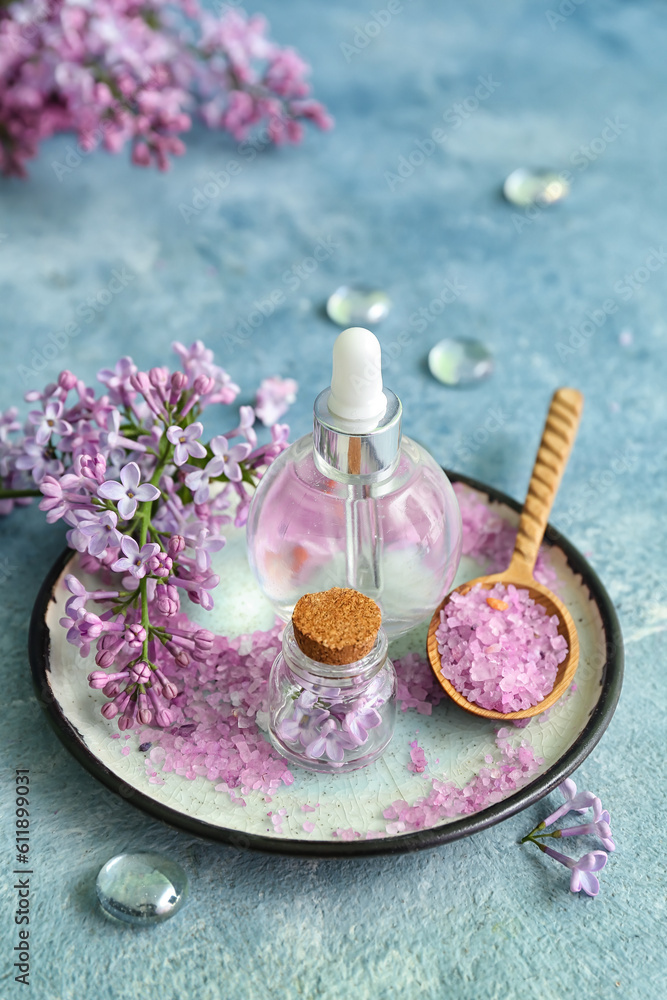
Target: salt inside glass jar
[(332, 689)]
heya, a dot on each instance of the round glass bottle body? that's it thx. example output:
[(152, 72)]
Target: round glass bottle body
[(398, 540), (331, 718)]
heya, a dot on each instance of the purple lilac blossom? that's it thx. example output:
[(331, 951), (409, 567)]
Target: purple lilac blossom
[(128, 492), (198, 480), (599, 828), (331, 741), (359, 722), (134, 559), (186, 442), (95, 532), (582, 870), (579, 802), (231, 457), (49, 422)]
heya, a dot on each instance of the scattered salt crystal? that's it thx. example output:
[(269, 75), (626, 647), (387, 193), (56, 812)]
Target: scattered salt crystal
[(518, 670), (492, 783), (418, 761), (308, 827), (417, 685)]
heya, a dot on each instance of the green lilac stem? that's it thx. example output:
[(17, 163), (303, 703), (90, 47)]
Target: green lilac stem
[(10, 494)]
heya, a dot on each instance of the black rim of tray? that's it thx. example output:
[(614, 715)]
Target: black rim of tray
[(612, 677)]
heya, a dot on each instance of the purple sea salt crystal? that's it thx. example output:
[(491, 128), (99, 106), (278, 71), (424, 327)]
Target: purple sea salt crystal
[(186, 442), (418, 762), (504, 656), (599, 828), (582, 870), (128, 492)]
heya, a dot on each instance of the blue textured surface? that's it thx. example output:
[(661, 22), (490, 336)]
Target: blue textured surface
[(483, 918)]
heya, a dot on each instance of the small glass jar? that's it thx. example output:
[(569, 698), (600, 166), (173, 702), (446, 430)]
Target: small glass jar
[(331, 717)]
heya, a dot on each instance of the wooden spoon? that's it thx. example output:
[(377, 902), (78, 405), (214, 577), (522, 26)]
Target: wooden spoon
[(559, 433)]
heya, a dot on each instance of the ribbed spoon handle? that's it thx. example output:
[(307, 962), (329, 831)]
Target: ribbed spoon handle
[(558, 437)]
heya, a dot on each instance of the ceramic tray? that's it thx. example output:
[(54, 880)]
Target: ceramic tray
[(455, 743)]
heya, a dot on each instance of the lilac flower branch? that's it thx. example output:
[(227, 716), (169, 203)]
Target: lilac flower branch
[(117, 469), (116, 73)]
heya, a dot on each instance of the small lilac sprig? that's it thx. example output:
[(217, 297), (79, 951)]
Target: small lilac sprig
[(582, 870)]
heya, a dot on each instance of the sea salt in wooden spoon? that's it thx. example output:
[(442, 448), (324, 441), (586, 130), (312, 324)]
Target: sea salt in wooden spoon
[(557, 439)]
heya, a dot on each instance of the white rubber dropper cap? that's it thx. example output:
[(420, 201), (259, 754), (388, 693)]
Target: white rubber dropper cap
[(356, 380)]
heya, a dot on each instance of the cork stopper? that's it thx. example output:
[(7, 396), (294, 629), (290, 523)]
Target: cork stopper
[(336, 626)]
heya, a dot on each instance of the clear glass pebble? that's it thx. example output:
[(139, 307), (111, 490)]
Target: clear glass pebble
[(358, 305), (459, 361), (143, 888), (526, 187)]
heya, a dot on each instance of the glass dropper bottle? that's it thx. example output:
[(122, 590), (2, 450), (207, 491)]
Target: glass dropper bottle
[(356, 503)]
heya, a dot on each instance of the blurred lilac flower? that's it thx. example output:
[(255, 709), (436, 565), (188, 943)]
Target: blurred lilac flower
[(130, 492), (95, 533), (274, 397), (599, 828), (33, 457), (134, 559), (198, 360), (115, 73), (230, 457), (117, 381), (245, 427), (185, 440), (49, 422)]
